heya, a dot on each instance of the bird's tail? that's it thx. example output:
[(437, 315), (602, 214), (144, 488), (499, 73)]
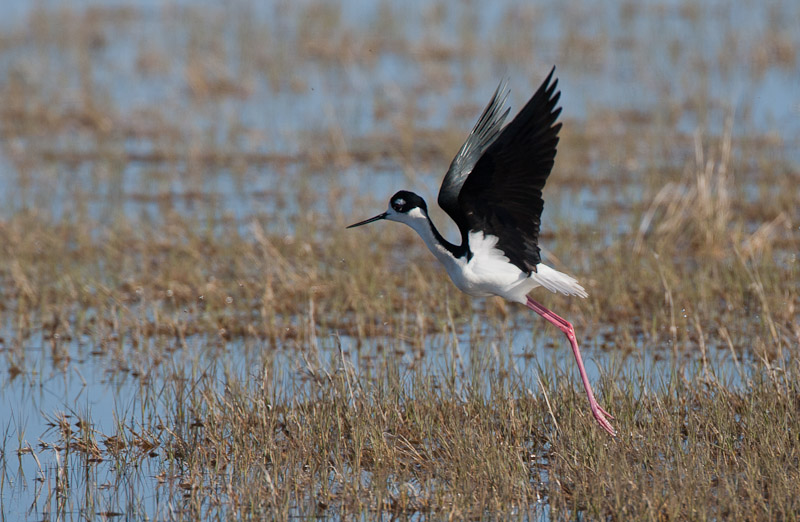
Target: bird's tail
[(557, 282)]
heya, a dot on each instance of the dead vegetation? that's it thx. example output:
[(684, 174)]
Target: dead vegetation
[(183, 250)]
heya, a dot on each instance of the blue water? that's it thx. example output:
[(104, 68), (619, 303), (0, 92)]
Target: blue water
[(96, 389), (641, 64)]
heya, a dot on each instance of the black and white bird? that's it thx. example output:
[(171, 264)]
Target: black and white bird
[(493, 192)]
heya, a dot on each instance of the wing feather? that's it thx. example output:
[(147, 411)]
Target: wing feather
[(480, 138), (502, 195)]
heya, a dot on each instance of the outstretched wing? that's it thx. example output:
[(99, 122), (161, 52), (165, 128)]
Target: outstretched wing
[(502, 196), (483, 134)]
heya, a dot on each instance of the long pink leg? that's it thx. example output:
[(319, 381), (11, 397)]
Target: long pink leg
[(565, 326)]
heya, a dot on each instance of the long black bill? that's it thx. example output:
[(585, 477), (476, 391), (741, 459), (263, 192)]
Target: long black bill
[(370, 220)]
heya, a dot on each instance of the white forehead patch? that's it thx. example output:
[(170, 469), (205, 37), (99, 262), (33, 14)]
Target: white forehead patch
[(416, 213)]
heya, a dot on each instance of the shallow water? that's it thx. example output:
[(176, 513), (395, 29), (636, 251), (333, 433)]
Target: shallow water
[(681, 66), (100, 391), (636, 60)]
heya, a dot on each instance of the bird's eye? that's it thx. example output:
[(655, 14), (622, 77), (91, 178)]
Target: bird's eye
[(398, 204)]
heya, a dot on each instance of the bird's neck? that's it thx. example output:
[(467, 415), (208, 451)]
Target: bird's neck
[(445, 251)]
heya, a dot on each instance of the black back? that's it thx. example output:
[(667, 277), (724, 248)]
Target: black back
[(502, 195)]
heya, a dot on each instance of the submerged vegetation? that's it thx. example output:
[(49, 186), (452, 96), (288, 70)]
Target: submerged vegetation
[(188, 330)]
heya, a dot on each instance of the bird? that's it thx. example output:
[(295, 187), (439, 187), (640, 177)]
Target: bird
[(493, 192)]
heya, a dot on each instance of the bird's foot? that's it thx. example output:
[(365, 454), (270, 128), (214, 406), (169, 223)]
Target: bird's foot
[(604, 412), (600, 416)]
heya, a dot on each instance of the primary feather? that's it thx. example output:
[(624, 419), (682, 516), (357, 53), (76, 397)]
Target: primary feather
[(502, 193)]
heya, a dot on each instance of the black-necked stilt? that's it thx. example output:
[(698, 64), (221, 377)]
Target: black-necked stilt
[(493, 191)]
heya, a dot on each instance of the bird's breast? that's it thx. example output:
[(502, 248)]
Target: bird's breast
[(487, 271)]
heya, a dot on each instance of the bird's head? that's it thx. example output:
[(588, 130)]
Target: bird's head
[(404, 207)]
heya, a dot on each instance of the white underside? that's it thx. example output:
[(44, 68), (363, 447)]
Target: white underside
[(489, 271)]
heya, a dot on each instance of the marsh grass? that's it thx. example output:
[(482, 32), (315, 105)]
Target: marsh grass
[(267, 363), (401, 443)]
